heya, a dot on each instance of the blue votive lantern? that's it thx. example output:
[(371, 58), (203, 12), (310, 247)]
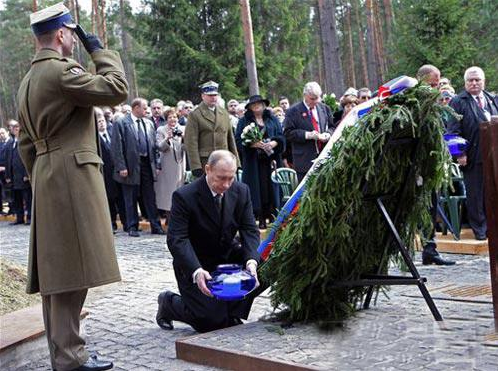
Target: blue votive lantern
[(456, 144), (230, 282)]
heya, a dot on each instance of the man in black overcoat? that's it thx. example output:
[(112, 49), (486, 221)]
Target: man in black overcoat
[(16, 177), (308, 126), (205, 217), (112, 188), (476, 106)]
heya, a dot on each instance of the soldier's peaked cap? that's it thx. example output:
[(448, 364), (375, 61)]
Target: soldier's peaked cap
[(209, 88), (51, 18)]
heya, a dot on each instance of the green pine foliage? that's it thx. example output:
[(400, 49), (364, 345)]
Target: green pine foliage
[(338, 236), (187, 42)]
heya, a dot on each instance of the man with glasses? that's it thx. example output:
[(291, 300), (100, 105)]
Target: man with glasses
[(156, 108), (184, 111), (364, 94), (476, 106)]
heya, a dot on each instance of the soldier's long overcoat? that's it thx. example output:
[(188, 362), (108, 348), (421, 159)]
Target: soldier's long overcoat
[(71, 244)]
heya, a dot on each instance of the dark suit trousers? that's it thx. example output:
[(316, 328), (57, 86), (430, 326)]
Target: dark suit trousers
[(146, 190), (474, 185), (429, 248), (22, 201), (201, 312), (61, 314)]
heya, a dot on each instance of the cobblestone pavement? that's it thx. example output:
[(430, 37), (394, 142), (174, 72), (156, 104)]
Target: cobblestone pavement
[(396, 334)]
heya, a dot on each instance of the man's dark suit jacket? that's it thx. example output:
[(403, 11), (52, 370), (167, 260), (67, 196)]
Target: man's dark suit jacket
[(468, 127), (106, 154), (198, 237), (124, 149), (297, 122), (14, 167)]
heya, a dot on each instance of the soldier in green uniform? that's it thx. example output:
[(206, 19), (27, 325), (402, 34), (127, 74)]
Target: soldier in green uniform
[(208, 129), (71, 242)]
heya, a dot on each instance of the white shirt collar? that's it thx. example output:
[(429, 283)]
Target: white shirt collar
[(133, 118), (212, 192)]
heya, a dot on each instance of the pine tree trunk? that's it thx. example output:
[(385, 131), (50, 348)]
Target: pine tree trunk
[(361, 42), (352, 76), (379, 42), (388, 11), (125, 45), (334, 78), (74, 7), (389, 23), (95, 13), (252, 73), (373, 81), (103, 24)]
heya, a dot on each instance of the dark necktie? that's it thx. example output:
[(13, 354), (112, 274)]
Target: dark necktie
[(480, 103), (218, 202), (142, 140), (106, 138)]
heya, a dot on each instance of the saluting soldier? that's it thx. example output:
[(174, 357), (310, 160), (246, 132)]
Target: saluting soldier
[(208, 129), (71, 244)]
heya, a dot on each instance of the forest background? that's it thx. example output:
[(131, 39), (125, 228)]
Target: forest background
[(169, 47)]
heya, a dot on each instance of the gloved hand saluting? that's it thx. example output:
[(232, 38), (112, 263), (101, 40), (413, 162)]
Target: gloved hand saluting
[(90, 41)]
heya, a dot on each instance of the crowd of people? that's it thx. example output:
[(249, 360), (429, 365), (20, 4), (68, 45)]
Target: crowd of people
[(150, 149)]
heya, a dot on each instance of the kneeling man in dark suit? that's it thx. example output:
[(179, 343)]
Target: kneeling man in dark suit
[(205, 218)]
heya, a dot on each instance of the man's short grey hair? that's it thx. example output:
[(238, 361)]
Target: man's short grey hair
[(474, 70), (221, 155), (426, 70), (364, 90), (312, 88), (156, 100), (233, 101)]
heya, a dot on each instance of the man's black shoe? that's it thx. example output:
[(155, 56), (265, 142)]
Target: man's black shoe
[(28, 222), (481, 238), (436, 259), (133, 233), (158, 231), (17, 222), (163, 322), (93, 364)]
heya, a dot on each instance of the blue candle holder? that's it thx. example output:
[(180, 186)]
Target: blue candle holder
[(230, 282), (456, 144)]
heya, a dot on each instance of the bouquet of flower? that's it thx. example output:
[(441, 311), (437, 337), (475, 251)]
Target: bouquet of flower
[(331, 101), (252, 134)]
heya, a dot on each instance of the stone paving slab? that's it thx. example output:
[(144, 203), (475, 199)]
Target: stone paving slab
[(396, 334), (121, 321)]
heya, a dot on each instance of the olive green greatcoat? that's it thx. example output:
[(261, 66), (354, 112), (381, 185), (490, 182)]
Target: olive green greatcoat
[(71, 244), (207, 131)]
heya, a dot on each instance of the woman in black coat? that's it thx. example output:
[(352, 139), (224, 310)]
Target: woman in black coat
[(259, 159)]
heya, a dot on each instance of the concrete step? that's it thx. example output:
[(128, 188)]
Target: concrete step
[(22, 332)]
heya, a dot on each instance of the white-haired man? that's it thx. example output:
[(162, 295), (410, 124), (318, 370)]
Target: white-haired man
[(476, 106), (307, 127)]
